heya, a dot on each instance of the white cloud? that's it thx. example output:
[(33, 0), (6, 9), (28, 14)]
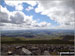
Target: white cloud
[(3, 17), (60, 11), (19, 7), (17, 17), (18, 20), (40, 8), (4, 14), (44, 24), (12, 3)]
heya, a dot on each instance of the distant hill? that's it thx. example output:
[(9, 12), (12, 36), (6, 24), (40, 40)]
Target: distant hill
[(34, 33), (38, 36)]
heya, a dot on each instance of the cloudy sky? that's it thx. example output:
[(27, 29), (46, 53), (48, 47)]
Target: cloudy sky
[(37, 14)]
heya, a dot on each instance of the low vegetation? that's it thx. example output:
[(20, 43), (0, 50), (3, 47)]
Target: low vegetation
[(11, 40)]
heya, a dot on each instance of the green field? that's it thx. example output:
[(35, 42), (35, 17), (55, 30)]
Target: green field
[(12, 40)]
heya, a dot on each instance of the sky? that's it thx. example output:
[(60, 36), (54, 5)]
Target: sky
[(37, 14)]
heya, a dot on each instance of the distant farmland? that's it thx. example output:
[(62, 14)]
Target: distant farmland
[(11, 40)]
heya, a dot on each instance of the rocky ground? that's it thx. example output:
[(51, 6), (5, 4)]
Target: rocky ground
[(35, 49)]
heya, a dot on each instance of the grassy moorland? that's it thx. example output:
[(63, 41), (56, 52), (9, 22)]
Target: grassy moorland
[(19, 40)]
